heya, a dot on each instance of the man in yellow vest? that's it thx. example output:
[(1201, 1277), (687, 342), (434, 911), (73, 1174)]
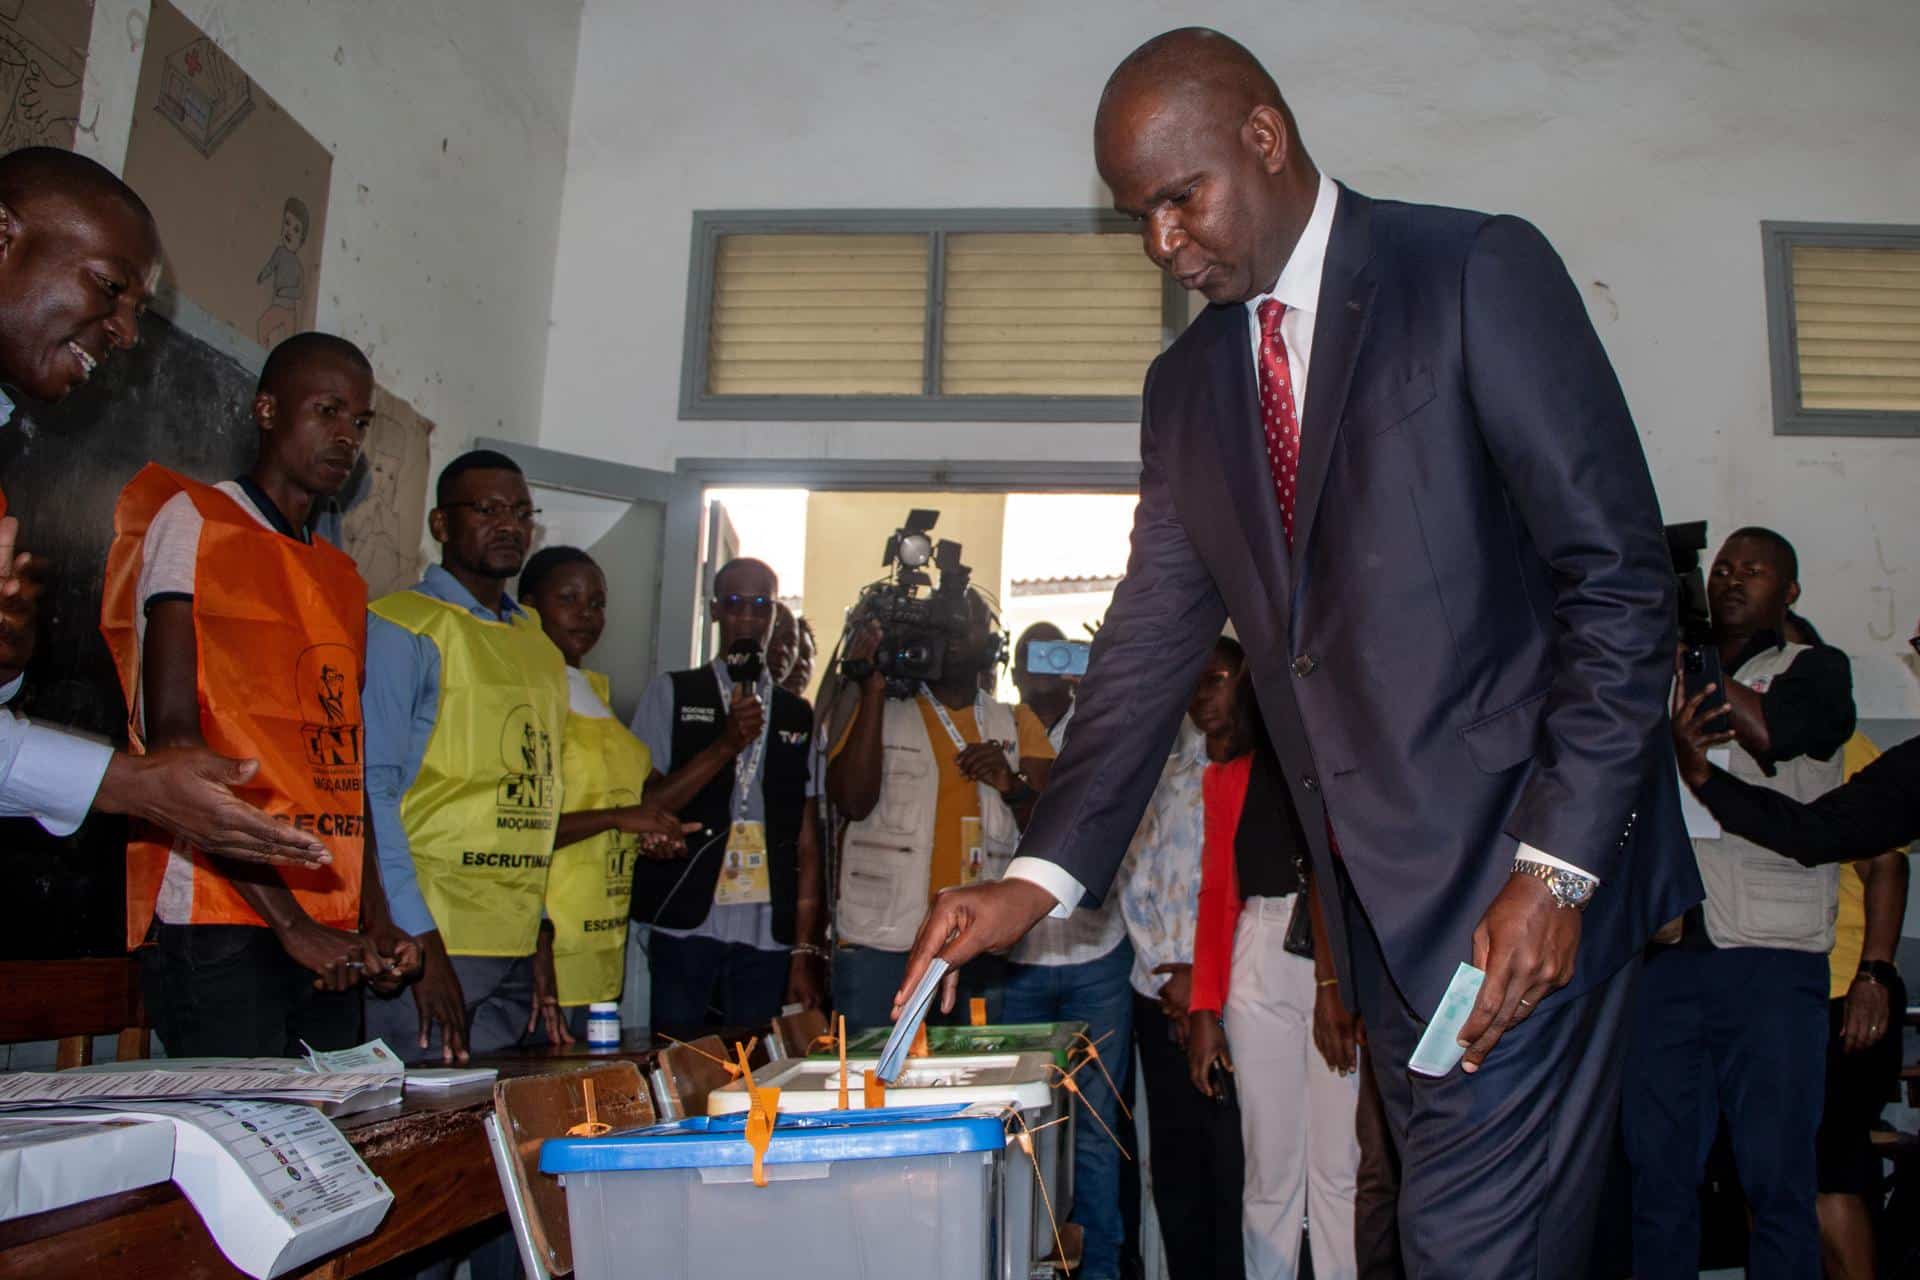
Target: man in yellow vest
[(466, 705), (79, 257), (232, 626)]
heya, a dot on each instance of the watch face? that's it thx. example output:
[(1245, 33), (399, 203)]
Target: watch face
[(1571, 889)]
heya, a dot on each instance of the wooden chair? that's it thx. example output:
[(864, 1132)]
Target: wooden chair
[(687, 1073), (528, 1111), (72, 1001), (793, 1035)]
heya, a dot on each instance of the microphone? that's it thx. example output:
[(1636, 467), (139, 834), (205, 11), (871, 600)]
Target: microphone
[(744, 663)]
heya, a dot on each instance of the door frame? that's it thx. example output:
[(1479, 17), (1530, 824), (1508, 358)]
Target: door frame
[(681, 591), (683, 491)]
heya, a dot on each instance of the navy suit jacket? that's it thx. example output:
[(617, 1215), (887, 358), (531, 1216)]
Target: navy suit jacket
[(1471, 640)]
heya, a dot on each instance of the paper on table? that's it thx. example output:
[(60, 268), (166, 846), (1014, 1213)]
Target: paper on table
[(373, 1056), (72, 1087), (51, 1161), (449, 1077), (276, 1183), (1440, 1048), (1701, 824), (894, 1055)]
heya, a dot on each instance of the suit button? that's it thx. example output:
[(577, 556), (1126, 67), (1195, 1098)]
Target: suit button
[(1310, 783), (1305, 665)]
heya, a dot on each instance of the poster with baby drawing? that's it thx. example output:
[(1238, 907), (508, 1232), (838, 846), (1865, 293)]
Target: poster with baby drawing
[(239, 188)]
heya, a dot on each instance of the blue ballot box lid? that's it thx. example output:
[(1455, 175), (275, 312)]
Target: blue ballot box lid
[(707, 1142)]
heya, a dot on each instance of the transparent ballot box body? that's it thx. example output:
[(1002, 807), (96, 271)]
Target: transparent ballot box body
[(1018, 1080), (895, 1192)]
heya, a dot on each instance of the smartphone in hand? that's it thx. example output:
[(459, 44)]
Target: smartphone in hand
[(1700, 667)]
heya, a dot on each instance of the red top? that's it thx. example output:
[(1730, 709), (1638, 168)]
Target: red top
[(1223, 791)]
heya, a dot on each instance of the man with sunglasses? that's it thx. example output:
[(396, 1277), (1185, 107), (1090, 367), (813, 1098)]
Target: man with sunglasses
[(737, 924), (464, 707)]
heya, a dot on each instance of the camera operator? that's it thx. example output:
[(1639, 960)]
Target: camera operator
[(1732, 1015), (933, 788)]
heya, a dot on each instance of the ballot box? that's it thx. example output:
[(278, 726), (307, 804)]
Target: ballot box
[(892, 1192), (1056, 1039), (1022, 1081)]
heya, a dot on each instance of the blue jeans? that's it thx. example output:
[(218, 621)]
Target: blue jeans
[(1742, 1033), (698, 982), (1100, 994), (865, 980)]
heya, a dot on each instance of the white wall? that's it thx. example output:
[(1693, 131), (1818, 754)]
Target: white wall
[(1647, 140), (447, 120)]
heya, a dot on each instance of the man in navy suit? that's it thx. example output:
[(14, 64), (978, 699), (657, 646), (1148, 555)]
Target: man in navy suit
[(1394, 453)]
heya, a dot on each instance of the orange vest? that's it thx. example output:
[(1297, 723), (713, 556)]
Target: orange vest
[(282, 632)]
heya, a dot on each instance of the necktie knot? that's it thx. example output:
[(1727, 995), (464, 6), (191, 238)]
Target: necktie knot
[(1271, 312)]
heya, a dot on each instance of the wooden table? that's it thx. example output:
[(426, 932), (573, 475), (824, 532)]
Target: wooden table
[(431, 1151)]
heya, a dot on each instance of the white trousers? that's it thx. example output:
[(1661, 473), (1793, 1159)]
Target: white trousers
[(1296, 1113)]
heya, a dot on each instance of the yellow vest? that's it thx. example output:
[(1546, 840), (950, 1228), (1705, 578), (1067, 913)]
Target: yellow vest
[(591, 884), (480, 814), (1850, 926)]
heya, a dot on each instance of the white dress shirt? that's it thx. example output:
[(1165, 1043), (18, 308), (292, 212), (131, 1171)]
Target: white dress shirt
[(46, 773), (1298, 288)]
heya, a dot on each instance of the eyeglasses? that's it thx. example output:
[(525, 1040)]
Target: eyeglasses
[(496, 511), (733, 600)]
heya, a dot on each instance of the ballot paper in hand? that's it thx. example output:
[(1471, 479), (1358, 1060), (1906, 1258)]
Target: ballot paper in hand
[(894, 1056), (1440, 1049)]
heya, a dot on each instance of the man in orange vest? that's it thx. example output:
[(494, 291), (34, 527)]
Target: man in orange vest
[(233, 627), (79, 257)]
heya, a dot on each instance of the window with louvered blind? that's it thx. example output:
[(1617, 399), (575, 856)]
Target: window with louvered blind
[(922, 314), (1844, 324)]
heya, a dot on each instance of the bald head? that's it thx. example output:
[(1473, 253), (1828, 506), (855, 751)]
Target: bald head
[(1197, 145), (79, 257), (1198, 65), (34, 174)]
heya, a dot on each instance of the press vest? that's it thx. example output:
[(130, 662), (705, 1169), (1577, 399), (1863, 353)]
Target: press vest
[(886, 864), (1755, 897), (603, 766), (281, 631), (699, 718), (480, 814)]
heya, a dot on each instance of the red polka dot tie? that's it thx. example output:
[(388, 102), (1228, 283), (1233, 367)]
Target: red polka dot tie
[(1277, 413)]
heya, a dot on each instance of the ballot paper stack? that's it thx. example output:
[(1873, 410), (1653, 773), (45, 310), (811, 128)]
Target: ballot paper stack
[(248, 1141), (275, 1182), (333, 1092), (51, 1163)]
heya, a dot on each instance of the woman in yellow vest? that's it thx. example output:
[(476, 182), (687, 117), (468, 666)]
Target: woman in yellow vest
[(603, 771)]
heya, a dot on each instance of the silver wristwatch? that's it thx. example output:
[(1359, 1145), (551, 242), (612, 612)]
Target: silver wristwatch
[(1569, 888)]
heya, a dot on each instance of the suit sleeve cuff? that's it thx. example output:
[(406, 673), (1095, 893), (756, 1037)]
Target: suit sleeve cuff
[(1052, 877), (55, 776), (1532, 854)]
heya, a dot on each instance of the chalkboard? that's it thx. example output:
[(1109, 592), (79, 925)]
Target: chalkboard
[(175, 400)]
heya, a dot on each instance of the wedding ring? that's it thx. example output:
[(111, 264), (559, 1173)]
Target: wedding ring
[(1525, 1003)]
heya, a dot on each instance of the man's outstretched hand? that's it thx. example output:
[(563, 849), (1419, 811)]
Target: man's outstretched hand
[(968, 922), (191, 790)]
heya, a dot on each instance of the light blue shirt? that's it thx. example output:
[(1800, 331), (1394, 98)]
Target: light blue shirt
[(400, 704), (749, 924), (1160, 880), (46, 773)]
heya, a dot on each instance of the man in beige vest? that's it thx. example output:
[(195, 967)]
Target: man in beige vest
[(1732, 1020)]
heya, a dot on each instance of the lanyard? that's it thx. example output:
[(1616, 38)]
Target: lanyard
[(946, 721), (746, 772)]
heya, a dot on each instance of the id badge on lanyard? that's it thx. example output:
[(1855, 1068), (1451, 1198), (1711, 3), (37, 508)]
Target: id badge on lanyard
[(744, 876), (973, 845)]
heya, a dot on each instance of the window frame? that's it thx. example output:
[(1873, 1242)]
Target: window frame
[(1790, 417), (931, 405)]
